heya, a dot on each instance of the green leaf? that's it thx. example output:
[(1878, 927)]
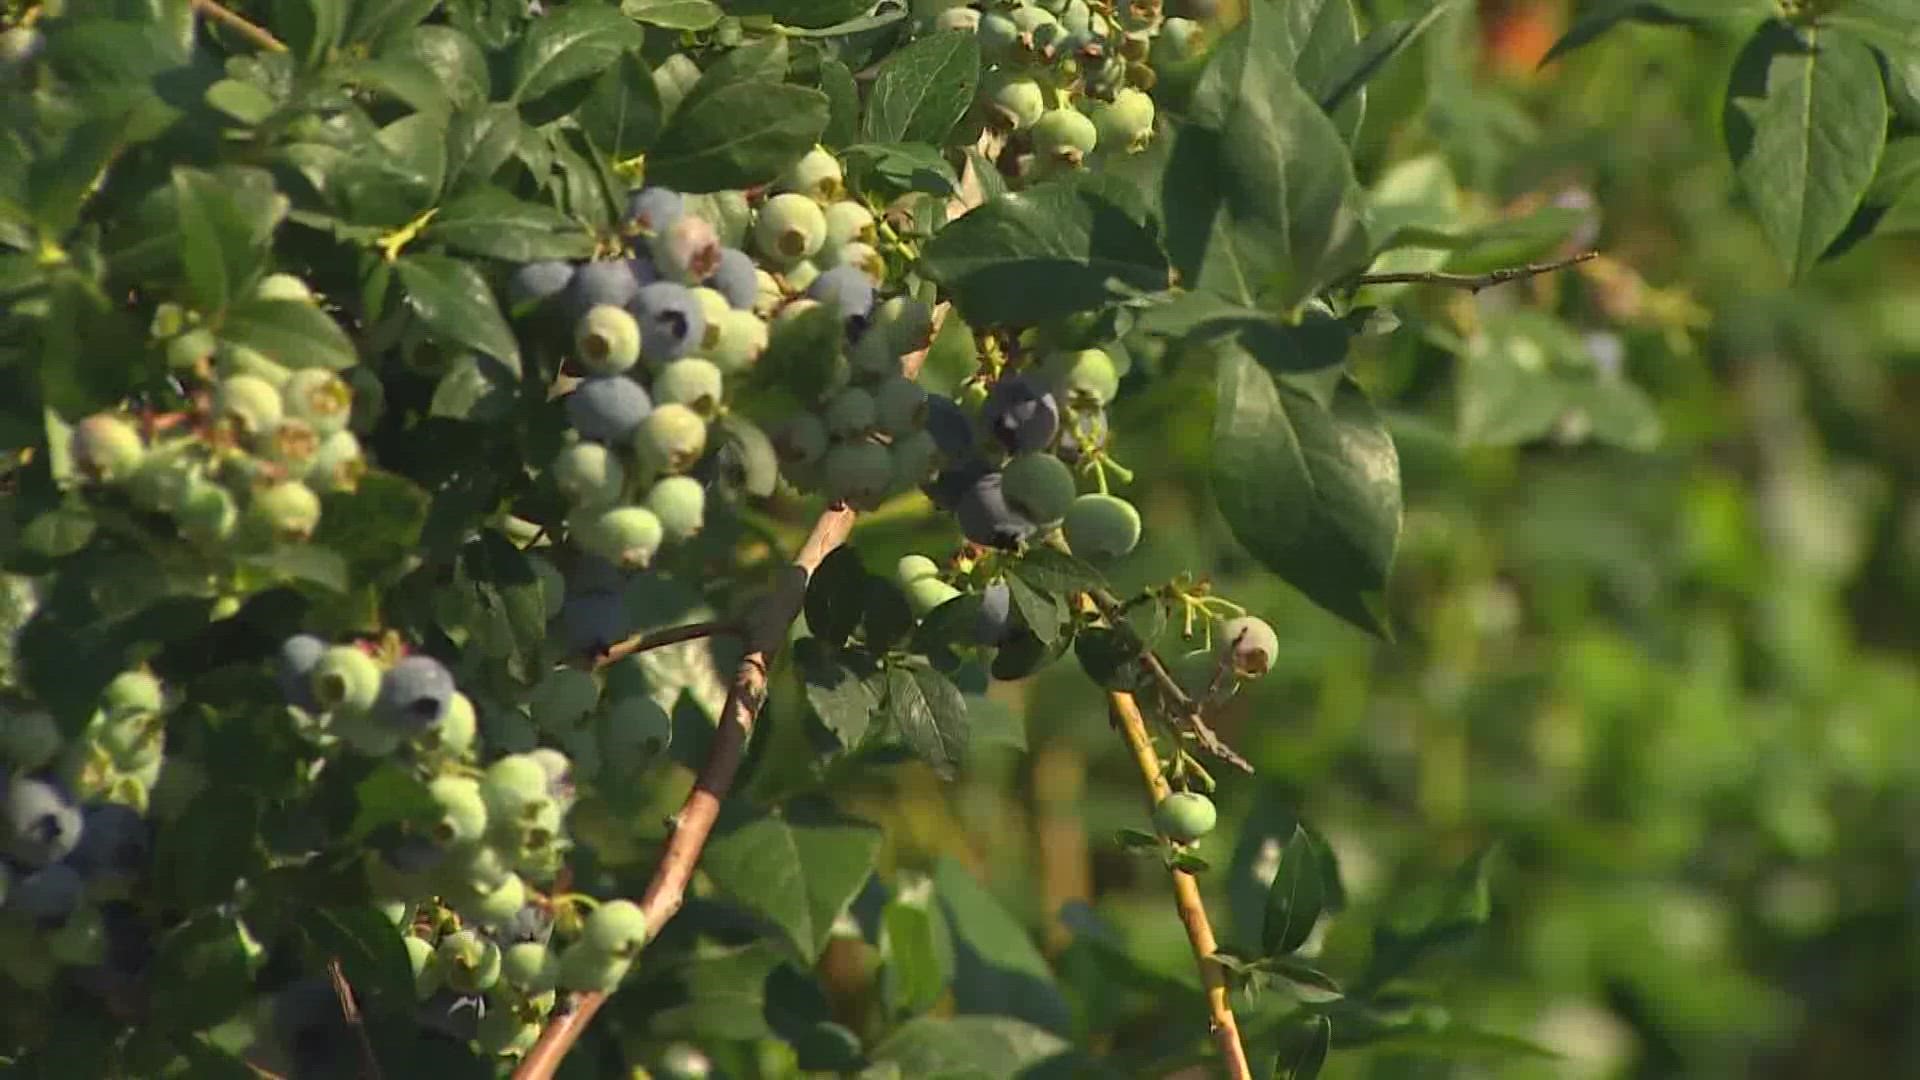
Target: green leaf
[(803, 354), (475, 388), (1303, 1049), (310, 28), (806, 14), (368, 947), (1295, 898), (622, 114), (1350, 71), (998, 969), (1805, 124), (843, 104), (479, 141), (1311, 491), (967, 1046), (798, 867), (1596, 18), (454, 301), (919, 958), (293, 333), (1315, 39), (389, 795), (886, 618), (223, 237), (740, 135), (1042, 613), (836, 596), (86, 343), (568, 45), (494, 224), (452, 58), (1527, 376), (300, 563), (59, 532), (1259, 196), (1108, 657), (201, 855), (930, 715), (922, 90), (673, 14), (899, 168), (373, 21), (839, 695), (209, 954), (378, 524), (1433, 915), (1043, 253)]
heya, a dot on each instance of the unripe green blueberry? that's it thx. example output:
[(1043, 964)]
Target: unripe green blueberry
[(1016, 100), (1178, 41), (1040, 487), (292, 445), (816, 175), (470, 960), (740, 338), (588, 475), (18, 45), (1063, 137), (690, 381), (28, 739), (426, 967), (498, 907), (283, 287), (503, 1032), (462, 812), (1185, 816), (287, 511), (1250, 645), (851, 412), (998, 36), (206, 512), (451, 735), (318, 397), (240, 360), (912, 568), (802, 440), (916, 458), (768, 295), (633, 734), (1125, 124), (926, 594), (906, 322), (863, 257), (965, 20), (848, 222), (133, 693), (252, 404), (338, 465), (515, 787), (606, 340), (858, 472), (1085, 377), (801, 275), (1101, 527), (345, 679), (628, 536), (584, 968), (680, 502), (563, 698), (530, 967), (791, 227), (671, 438), (615, 928), (106, 447), (900, 405), (190, 352)]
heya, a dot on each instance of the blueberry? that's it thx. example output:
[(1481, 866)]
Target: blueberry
[(987, 520), (1102, 527), (734, 278), (592, 622), (593, 574), (1021, 414), (114, 842), (414, 693), (654, 210), (536, 281), (952, 431), (298, 654), (42, 824), (1185, 816), (597, 283), (608, 408), (994, 623), (1040, 487), (671, 320), (688, 251), (951, 484), (48, 895), (847, 288), (1084, 430), (1063, 137)]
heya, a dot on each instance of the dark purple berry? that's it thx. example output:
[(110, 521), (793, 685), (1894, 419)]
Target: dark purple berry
[(597, 283), (1021, 413), (847, 289), (987, 520), (607, 408), (592, 622), (298, 654), (414, 694), (114, 843), (994, 622), (671, 321), (655, 209), (947, 488), (735, 279), (536, 281), (950, 427)]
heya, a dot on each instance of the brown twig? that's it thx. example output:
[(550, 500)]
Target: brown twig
[(1474, 282), (350, 1010), (1186, 893), (766, 632), (245, 29), (660, 639), (1189, 710)]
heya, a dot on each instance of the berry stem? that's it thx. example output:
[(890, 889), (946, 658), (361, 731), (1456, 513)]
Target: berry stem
[(1473, 283), (245, 29), (660, 639), (1186, 892)]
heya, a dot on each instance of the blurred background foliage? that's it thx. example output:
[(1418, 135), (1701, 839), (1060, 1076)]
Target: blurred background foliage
[(1678, 686)]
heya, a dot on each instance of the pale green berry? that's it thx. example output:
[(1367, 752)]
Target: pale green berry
[(916, 457), (628, 536), (499, 906), (462, 812), (338, 465), (584, 968), (292, 445), (1016, 100), (926, 594), (515, 788), (283, 287), (1250, 645), (452, 735), (1185, 816), (1086, 377), (1040, 487), (680, 502), (691, 381), (671, 439), (863, 257), (1102, 527), (816, 175), (503, 1032), (588, 475), (531, 967), (1063, 137), (791, 227), (252, 404), (858, 472), (740, 339), (1125, 124), (768, 295), (801, 275), (206, 512), (615, 928), (470, 960), (345, 679), (606, 340), (912, 568), (900, 405), (288, 511), (106, 447), (848, 222), (318, 397), (240, 360), (563, 698), (851, 412), (426, 968), (190, 352), (713, 308)]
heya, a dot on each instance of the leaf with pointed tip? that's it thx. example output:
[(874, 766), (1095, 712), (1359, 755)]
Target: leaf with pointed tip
[(922, 90), (798, 867), (1295, 898), (451, 297)]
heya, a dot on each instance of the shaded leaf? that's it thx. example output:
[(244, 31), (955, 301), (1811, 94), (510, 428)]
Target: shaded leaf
[(1295, 898), (798, 867), (454, 301), (740, 135)]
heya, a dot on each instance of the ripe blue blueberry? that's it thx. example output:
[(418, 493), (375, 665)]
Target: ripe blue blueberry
[(994, 623), (414, 693), (946, 489), (847, 289), (671, 320), (987, 519), (591, 622), (608, 408), (534, 282), (48, 896), (950, 427), (114, 842), (734, 278), (1021, 413), (597, 283), (653, 210), (42, 824), (298, 655)]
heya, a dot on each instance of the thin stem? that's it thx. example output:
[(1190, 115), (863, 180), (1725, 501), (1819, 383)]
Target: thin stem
[(1109, 607), (245, 29), (1186, 893), (660, 639), (350, 1011), (766, 631), (1474, 282)]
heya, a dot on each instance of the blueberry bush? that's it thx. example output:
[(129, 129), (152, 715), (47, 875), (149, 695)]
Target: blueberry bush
[(741, 538)]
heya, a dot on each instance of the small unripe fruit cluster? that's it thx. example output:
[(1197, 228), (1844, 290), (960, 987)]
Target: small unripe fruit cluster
[(1185, 816)]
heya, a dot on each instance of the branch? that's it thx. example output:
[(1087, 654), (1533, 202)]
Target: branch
[(350, 1010), (1190, 712), (1474, 282), (660, 639), (766, 632), (1186, 893), (245, 29)]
